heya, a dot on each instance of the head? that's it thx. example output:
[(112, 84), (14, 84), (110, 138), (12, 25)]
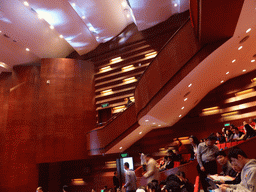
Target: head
[(151, 187), (126, 166), (211, 140), (235, 130), (148, 156), (193, 140), (231, 127), (181, 175), (115, 173), (93, 190), (221, 158), (39, 189), (65, 188), (237, 157), (218, 134), (248, 129)]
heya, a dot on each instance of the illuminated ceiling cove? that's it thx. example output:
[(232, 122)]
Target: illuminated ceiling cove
[(35, 29)]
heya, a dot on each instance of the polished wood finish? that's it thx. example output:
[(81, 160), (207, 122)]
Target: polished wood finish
[(44, 122)]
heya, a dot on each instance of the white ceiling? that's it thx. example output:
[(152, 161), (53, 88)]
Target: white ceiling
[(82, 24), (223, 64)]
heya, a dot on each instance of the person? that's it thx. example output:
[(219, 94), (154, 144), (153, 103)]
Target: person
[(115, 181), (39, 189), (249, 132), (194, 144), (237, 134), (220, 138), (206, 159), (237, 179), (226, 168), (168, 163), (153, 186), (172, 155), (65, 188), (130, 179), (179, 182), (152, 172), (143, 160), (248, 175), (229, 135)]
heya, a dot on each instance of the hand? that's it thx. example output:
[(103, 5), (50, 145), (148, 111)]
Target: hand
[(223, 187), (202, 168)]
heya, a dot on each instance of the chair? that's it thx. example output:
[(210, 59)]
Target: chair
[(228, 145), (176, 164), (222, 145)]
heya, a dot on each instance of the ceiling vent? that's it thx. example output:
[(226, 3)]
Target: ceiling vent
[(244, 39)]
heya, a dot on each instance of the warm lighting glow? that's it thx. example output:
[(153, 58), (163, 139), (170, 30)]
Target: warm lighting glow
[(175, 5), (227, 73), (27, 49), (183, 138), (73, 4), (253, 60), (248, 30), (211, 108), (51, 27), (61, 36), (234, 61), (244, 92), (83, 17), (222, 81), (239, 48), (132, 99), (107, 92), (153, 123), (104, 69), (140, 133), (120, 147), (79, 181), (159, 125), (118, 109), (185, 99), (182, 108), (128, 68), (190, 85), (124, 4), (180, 115), (253, 80), (244, 70), (26, 3), (130, 80), (212, 112), (151, 55), (229, 114), (116, 60), (146, 120), (40, 16), (2, 65)]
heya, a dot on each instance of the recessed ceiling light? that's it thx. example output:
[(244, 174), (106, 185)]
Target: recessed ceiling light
[(26, 3), (27, 49), (159, 125), (40, 16), (0, 31), (185, 99), (83, 17), (73, 4), (182, 108), (234, 61), (227, 73), (239, 48), (244, 70), (175, 5), (153, 123), (128, 15), (140, 132), (146, 120), (51, 26), (222, 81), (180, 115), (253, 60), (120, 147), (61, 36), (248, 30), (190, 85)]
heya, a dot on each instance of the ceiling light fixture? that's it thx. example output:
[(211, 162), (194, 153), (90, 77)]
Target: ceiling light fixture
[(140, 133), (153, 123), (234, 61), (83, 17), (27, 49), (26, 3), (146, 120), (116, 60), (180, 115), (190, 85), (175, 5), (248, 30), (239, 48), (222, 81), (129, 80), (73, 4), (51, 27), (244, 70), (120, 147), (61, 36), (128, 68), (107, 92), (253, 60), (151, 55), (185, 99), (182, 108), (159, 125), (227, 73), (104, 69)]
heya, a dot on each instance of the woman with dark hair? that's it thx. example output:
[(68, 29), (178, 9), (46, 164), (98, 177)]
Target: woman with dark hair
[(229, 135), (249, 132), (194, 143)]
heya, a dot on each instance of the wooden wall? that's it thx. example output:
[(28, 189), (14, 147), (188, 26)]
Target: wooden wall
[(43, 122)]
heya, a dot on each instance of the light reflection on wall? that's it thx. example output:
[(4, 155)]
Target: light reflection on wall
[(54, 17)]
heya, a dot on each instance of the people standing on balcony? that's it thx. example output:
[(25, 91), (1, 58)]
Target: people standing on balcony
[(206, 154), (152, 172)]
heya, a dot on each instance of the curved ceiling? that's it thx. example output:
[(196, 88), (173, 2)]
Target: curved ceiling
[(35, 29), (232, 59)]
